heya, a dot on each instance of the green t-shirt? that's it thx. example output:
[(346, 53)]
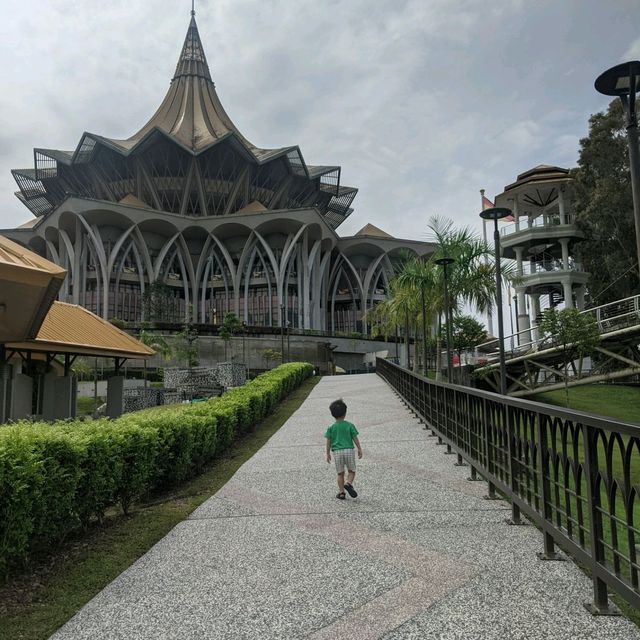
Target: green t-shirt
[(341, 434)]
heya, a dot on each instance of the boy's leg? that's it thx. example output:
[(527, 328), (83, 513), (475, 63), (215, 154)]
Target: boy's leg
[(341, 481), (351, 476)]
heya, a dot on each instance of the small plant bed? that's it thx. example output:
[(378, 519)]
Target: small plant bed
[(36, 603)]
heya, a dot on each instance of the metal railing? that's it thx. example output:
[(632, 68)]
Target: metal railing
[(546, 266), (609, 317), (524, 224), (574, 475)]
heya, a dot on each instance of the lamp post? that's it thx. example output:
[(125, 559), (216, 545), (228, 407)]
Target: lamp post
[(282, 333), (495, 214), (444, 263), (244, 334), (622, 81)]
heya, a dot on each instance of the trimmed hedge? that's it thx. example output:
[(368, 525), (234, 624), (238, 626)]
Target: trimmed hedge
[(56, 478)]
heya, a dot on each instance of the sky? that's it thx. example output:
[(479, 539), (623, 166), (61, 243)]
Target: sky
[(422, 102)]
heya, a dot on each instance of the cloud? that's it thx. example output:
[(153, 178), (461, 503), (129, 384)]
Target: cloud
[(421, 103)]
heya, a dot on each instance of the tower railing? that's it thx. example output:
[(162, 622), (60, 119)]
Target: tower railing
[(574, 475), (549, 221)]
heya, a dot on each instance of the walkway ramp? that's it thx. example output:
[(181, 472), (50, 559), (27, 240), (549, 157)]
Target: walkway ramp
[(420, 554), (535, 364)]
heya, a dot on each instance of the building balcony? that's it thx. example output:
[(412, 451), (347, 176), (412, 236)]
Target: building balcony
[(541, 276), (529, 232)]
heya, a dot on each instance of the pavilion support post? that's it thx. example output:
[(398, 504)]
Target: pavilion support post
[(6, 371), (115, 392)]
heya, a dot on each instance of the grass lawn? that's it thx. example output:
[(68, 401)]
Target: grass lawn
[(36, 604), (614, 401)]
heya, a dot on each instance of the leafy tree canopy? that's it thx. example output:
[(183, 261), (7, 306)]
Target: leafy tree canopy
[(230, 326), (604, 208), (466, 333)]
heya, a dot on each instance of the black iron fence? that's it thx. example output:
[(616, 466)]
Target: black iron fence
[(574, 475)]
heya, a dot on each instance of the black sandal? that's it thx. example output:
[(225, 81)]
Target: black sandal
[(341, 496), (351, 491)]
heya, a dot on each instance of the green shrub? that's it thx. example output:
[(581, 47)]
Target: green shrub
[(56, 478)]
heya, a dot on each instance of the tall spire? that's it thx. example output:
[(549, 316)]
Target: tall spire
[(193, 7), (192, 61)]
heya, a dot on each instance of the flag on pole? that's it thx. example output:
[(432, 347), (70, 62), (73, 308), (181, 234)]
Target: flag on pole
[(486, 203)]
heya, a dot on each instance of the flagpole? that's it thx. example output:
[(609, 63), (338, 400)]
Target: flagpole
[(486, 261)]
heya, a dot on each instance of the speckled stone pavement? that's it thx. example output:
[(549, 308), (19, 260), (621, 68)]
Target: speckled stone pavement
[(419, 554)]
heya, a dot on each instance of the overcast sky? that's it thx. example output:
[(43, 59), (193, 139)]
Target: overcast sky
[(422, 102)]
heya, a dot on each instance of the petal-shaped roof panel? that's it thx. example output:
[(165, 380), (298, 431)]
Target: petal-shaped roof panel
[(191, 112)]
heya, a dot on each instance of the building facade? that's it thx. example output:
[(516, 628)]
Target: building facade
[(187, 220)]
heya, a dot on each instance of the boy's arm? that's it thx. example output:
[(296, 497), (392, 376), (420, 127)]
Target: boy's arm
[(328, 449), (357, 443)]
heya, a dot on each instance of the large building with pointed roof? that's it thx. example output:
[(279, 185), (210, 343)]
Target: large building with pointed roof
[(187, 220)]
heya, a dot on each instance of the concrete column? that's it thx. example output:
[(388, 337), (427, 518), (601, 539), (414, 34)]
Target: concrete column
[(561, 206), (65, 397), (22, 396), (519, 251), (564, 243), (6, 384), (49, 396), (535, 312), (115, 396), (568, 294), (523, 317), (580, 291), (306, 282), (516, 213)]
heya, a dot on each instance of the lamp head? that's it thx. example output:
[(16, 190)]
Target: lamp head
[(495, 213), (443, 262), (617, 80)]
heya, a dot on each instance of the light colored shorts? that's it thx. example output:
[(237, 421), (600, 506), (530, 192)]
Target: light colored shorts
[(345, 458)]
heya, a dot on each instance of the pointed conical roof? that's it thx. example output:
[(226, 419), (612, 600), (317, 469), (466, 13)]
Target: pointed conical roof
[(191, 112), (373, 231), (192, 61)]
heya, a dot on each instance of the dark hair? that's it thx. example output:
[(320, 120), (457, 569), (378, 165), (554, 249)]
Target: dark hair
[(338, 408)]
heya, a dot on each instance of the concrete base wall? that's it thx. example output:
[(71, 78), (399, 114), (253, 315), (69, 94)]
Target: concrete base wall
[(22, 397), (65, 398), (348, 353), (6, 386), (115, 396)]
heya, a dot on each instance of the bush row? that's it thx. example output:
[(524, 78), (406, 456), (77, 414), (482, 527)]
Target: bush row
[(56, 478)]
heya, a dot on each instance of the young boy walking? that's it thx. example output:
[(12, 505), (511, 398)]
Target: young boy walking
[(341, 436)]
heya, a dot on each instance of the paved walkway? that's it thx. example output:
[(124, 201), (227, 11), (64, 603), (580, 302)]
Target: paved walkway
[(419, 554)]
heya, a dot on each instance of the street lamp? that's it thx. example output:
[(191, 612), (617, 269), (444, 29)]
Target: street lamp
[(622, 81), (244, 334), (444, 263), (495, 214), (282, 333)]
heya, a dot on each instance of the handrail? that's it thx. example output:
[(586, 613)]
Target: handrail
[(609, 317), (547, 266), (546, 221), (574, 475)]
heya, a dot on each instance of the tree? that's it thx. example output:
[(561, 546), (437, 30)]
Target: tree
[(604, 208), (158, 302), (156, 342), (575, 334), (466, 333), (229, 327), (270, 355), (185, 347)]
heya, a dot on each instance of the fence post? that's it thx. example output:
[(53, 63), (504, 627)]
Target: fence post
[(510, 430), (491, 488), (600, 604), (549, 552)]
